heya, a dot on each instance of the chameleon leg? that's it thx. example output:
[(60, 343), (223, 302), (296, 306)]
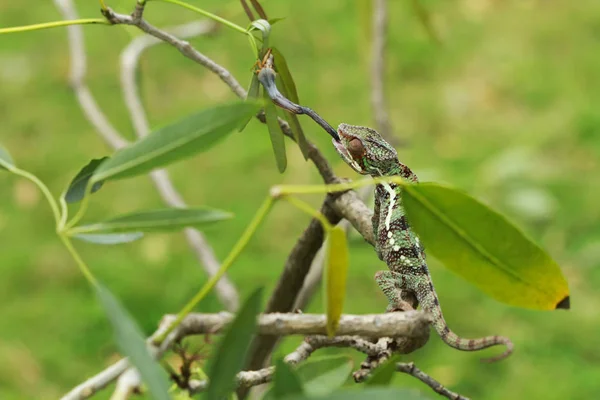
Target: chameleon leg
[(396, 288)]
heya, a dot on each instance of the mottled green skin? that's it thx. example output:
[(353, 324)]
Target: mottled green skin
[(408, 278)]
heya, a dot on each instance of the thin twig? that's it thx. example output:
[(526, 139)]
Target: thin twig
[(378, 103), (411, 369)]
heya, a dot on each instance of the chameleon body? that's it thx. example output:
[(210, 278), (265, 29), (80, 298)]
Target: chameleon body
[(365, 151)]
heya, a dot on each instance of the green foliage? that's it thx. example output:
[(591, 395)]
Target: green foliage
[(484, 247), (382, 376), (230, 356), (76, 190), (183, 139), (335, 274), (132, 343), (109, 238), (253, 92), (321, 376), (286, 381), (275, 133), (6, 160), (287, 87), (162, 220)]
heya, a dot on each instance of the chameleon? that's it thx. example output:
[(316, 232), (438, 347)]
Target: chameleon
[(408, 278)]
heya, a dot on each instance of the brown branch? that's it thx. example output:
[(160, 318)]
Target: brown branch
[(411, 369), (411, 324), (378, 103)]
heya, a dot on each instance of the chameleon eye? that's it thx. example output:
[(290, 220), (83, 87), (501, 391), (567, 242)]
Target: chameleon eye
[(356, 148)]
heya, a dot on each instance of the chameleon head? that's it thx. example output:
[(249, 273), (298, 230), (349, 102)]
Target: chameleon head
[(365, 151)]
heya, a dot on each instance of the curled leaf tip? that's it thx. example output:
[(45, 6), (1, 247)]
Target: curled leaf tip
[(564, 304)]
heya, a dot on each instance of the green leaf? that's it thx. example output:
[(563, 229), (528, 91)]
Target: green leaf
[(132, 343), (282, 69), (161, 220), (183, 139), (277, 140), (383, 375), (6, 161), (253, 92), (285, 382), (334, 277), (287, 87), (370, 393), (230, 356), (321, 376), (484, 248), (273, 21), (109, 238), (76, 190)]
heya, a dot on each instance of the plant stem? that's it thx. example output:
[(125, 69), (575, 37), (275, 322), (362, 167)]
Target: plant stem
[(283, 190), (207, 14), (233, 255), (43, 188), (80, 263), (55, 24), (302, 205)]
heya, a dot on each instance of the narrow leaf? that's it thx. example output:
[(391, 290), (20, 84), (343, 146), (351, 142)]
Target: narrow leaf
[(383, 375), (6, 161), (109, 238), (378, 393), (484, 248), (253, 92), (322, 376), (161, 220), (277, 140), (183, 139), (132, 343), (76, 190), (230, 356), (334, 278), (287, 86), (285, 382), (282, 69)]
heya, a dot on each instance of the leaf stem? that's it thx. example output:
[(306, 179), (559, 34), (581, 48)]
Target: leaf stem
[(231, 257), (335, 187), (55, 24), (207, 14), (43, 188), (80, 263), (302, 205)]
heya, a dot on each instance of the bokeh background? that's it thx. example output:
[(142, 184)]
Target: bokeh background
[(507, 109)]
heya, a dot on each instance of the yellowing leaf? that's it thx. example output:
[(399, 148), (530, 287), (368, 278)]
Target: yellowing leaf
[(334, 277), (484, 248)]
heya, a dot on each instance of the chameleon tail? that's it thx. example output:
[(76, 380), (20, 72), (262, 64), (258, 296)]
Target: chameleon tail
[(432, 305)]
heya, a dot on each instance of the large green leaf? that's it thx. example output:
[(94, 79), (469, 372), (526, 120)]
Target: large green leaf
[(484, 248), (379, 393), (334, 277), (285, 382), (6, 161), (230, 356), (132, 343), (320, 376), (109, 238), (76, 190), (161, 220), (277, 140), (191, 135)]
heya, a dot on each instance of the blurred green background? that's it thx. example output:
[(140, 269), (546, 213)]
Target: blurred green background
[(507, 109)]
